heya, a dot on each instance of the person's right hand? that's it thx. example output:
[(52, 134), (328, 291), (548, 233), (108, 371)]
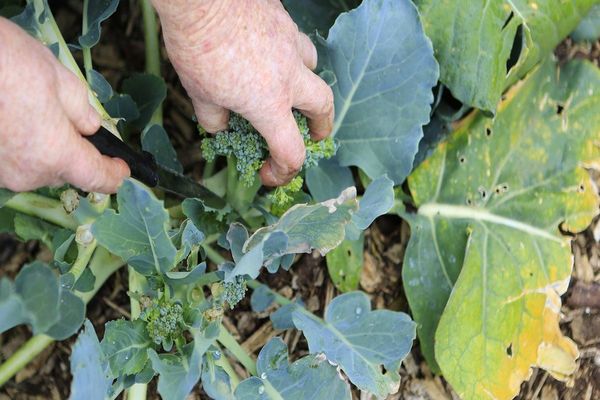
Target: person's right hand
[(44, 110)]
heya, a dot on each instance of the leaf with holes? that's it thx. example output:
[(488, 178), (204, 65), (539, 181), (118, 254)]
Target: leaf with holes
[(382, 69), (490, 203), (311, 377), (360, 340), (485, 46)]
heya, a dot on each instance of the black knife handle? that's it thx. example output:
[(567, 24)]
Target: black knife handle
[(142, 164)]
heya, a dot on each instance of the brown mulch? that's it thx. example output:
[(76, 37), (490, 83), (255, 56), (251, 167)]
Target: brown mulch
[(120, 53)]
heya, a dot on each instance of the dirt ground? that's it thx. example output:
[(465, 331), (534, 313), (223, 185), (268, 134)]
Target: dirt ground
[(120, 53)]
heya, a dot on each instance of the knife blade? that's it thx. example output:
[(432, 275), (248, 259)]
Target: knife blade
[(144, 168)]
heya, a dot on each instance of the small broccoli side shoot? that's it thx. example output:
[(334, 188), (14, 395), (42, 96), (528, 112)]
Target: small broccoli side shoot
[(229, 293), (164, 321), (250, 150)]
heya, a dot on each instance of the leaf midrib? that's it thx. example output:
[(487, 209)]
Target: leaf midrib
[(451, 211)]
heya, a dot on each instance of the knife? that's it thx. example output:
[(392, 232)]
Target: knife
[(144, 168)]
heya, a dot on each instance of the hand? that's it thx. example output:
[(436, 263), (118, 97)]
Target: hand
[(44, 110), (249, 57)]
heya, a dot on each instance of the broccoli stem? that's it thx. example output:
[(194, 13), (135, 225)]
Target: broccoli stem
[(238, 351), (87, 52), (152, 51), (42, 207), (136, 285), (224, 363), (239, 196), (102, 265)]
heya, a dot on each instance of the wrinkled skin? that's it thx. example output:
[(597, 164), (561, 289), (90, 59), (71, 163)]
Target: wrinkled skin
[(245, 56), (44, 111), (248, 56)]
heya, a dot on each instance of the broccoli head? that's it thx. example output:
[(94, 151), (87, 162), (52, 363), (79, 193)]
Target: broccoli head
[(164, 321)]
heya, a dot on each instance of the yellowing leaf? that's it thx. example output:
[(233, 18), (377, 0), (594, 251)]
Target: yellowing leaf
[(487, 262)]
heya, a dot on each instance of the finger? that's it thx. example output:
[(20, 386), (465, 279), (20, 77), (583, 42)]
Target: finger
[(211, 117), (90, 171), (308, 51), (73, 96), (286, 147), (314, 99)]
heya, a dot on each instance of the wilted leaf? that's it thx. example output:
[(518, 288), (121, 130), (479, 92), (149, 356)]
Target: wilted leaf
[(359, 340), (138, 232), (312, 227), (91, 375), (476, 41), (311, 377), (494, 196), (125, 345), (384, 70)]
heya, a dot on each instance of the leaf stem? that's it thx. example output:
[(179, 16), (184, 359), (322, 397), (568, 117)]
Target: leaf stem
[(136, 285), (213, 255), (224, 363), (237, 350), (84, 254), (152, 50), (87, 51), (42, 207), (102, 265)]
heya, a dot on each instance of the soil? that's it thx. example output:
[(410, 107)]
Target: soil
[(121, 53)]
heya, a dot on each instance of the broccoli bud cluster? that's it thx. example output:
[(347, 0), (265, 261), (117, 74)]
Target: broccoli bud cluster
[(234, 292), (164, 321), (249, 149)]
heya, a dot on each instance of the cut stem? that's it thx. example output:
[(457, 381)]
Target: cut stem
[(237, 350), (138, 391)]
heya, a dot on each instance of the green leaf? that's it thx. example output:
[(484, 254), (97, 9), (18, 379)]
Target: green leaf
[(156, 141), (138, 233), (215, 381), (377, 200), (384, 70), (122, 106), (476, 41), (311, 377), (360, 340), (345, 264), (328, 180), (491, 199), (100, 86), (589, 27), (208, 220), (178, 374), (72, 315), (317, 15), (29, 228), (125, 345), (97, 12), (36, 298), (91, 375), (261, 299), (147, 91), (312, 227)]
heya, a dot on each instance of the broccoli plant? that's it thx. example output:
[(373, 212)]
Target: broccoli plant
[(485, 197)]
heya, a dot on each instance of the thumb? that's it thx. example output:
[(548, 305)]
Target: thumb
[(89, 170), (286, 147)]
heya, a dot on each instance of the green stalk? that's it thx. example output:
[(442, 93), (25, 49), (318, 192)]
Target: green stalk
[(138, 391), (152, 50), (238, 351), (84, 254), (87, 52), (224, 363), (51, 34), (102, 265), (213, 255), (42, 207)]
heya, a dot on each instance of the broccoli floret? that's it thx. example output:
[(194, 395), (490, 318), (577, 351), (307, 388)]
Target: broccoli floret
[(250, 150), (229, 292), (282, 197), (164, 321)]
